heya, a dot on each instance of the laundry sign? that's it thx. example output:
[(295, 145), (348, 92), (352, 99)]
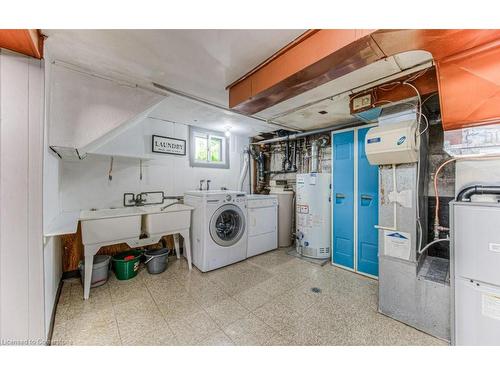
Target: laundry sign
[(168, 145), (397, 244)]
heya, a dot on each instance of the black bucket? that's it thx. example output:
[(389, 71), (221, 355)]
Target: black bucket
[(156, 260)]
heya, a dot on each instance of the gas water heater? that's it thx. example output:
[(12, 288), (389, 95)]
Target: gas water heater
[(313, 215)]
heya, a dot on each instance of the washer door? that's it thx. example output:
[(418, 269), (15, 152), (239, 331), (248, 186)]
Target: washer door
[(227, 225)]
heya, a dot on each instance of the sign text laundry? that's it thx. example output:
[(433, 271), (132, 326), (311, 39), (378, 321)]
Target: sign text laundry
[(168, 145)]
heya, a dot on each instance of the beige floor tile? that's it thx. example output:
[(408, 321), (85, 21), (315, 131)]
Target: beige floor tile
[(126, 290), (276, 285), (298, 267), (216, 339), (297, 300), (87, 329), (178, 306), (277, 340), (164, 278), (208, 294), (249, 331), (158, 335), (193, 329), (265, 300), (277, 315), (227, 312), (179, 267), (253, 298), (136, 317), (74, 305), (162, 290), (308, 331), (271, 260)]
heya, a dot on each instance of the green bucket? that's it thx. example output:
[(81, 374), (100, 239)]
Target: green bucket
[(126, 269)]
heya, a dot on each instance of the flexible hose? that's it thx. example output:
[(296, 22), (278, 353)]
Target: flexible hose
[(432, 243)]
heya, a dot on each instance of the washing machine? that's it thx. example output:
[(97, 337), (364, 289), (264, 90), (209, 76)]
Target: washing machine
[(218, 227)]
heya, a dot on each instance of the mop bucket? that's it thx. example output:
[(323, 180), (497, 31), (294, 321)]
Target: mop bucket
[(156, 260), (126, 264)]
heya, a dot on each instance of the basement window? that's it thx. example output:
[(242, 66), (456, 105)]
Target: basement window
[(208, 149)]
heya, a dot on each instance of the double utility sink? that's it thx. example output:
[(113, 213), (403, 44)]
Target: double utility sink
[(115, 225)]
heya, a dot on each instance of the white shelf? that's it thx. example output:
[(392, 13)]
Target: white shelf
[(65, 223)]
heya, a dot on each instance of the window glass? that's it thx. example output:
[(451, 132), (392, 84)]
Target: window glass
[(215, 149), (201, 149), (208, 148)]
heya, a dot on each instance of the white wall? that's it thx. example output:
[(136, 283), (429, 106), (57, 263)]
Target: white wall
[(21, 225), (52, 256), (52, 261), (85, 183), (84, 108), (476, 172)]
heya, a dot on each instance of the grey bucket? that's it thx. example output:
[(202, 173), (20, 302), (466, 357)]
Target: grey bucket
[(156, 260), (100, 270)]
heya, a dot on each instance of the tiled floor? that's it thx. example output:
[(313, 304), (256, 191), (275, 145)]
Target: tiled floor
[(265, 300)]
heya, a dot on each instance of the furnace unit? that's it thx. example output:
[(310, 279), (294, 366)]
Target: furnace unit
[(475, 276)]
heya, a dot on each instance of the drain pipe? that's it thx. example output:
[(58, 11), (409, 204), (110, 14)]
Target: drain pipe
[(314, 156), (292, 137), (244, 170)]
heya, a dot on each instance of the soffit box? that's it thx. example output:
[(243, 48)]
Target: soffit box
[(343, 51), (26, 41), (469, 87), (85, 110)]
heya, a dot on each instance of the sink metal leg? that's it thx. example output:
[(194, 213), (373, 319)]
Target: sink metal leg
[(89, 251), (176, 245), (187, 247), (89, 263)]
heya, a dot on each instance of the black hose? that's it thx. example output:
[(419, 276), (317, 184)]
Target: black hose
[(466, 193)]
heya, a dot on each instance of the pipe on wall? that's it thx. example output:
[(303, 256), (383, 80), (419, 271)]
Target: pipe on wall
[(244, 170), (314, 156), (292, 137), (465, 194)]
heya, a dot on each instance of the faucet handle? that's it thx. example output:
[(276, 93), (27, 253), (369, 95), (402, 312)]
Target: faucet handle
[(201, 184), (208, 184)]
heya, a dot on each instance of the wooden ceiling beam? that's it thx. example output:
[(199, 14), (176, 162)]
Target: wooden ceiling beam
[(468, 73), (26, 41)]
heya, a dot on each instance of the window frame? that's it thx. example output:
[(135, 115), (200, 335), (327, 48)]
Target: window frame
[(208, 134)]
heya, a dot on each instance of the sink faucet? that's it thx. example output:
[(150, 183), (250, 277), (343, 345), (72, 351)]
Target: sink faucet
[(208, 184), (201, 184)]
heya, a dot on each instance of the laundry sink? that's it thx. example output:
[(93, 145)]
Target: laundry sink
[(173, 218), (110, 225)]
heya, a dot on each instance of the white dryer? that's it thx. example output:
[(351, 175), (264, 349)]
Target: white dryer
[(262, 223), (218, 227)]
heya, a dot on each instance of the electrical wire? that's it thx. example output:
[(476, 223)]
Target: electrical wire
[(437, 227), (419, 133)]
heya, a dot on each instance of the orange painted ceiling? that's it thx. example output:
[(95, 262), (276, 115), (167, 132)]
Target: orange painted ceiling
[(467, 69)]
